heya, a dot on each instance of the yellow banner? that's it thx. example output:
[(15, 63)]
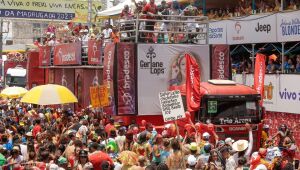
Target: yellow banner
[(75, 10), (94, 94), (104, 95)]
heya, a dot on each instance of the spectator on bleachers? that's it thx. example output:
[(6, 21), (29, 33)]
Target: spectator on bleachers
[(298, 63), (292, 5), (272, 67)]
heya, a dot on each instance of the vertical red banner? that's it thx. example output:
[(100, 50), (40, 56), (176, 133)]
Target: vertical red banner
[(67, 54), (108, 76), (192, 83), (259, 75), (44, 55), (94, 52), (220, 62), (126, 78)]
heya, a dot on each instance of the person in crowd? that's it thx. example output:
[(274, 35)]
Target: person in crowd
[(176, 160), (272, 67), (265, 134), (150, 10), (106, 33), (127, 17), (298, 64), (243, 147), (115, 35)]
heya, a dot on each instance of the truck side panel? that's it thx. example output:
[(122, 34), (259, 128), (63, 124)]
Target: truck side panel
[(35, 75)]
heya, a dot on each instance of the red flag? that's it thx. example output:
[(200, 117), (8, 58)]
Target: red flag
[(259, 75), (192, 83)]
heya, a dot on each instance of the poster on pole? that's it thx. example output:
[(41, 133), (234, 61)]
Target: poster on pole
[(171, 105), (95, 99)]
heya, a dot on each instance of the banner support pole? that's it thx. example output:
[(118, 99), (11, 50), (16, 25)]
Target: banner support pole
[(177, 129)]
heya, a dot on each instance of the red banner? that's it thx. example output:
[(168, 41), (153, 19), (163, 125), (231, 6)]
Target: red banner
[(94, 52), (192, 83), (220, 62), (44, 55), (126, 78), (67, 54), (108, 76), (259, 75)]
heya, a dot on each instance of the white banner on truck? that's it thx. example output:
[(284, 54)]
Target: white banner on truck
[(161, 67)]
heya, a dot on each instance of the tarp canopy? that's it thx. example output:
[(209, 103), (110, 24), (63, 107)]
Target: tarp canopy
[(116, 10)]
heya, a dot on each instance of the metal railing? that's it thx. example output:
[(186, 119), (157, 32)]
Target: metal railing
[(165, 29)]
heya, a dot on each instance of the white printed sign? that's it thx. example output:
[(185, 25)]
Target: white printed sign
[(171, 105), (217, 32), (288, 26), (280, 95), (252, 29)]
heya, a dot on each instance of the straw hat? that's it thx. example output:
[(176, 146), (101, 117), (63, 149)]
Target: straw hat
[(240, 145)]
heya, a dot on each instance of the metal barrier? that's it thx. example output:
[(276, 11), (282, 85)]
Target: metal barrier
[(165, 29)]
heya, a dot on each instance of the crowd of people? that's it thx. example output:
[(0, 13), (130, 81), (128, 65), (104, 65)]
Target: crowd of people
[(290, 64), (185, 32), (57, 139)]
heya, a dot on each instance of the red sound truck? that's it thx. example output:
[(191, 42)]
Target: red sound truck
[(227, 105), (25, 73)]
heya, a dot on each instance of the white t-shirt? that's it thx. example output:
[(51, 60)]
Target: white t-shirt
[(83, 130), (120, 140), (106, 34), (270, 153), (24, 152)]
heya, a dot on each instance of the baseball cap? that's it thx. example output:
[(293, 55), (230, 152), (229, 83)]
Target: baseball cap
[(206, 134), (62, 160), (277, 154), (228, 140), (192, 160), (261, 167)]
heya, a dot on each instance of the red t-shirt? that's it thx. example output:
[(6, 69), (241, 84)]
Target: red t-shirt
[(36, 129), (150, 8)]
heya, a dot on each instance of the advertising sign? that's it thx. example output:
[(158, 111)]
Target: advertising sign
[(94, 52), (162, 70), (44, 55), (171, 105), (259, 74), (108, 76), (67, 54), (94, 94), (103, 95), (288, 26), (279, 94), (47, 9), (220, 62), (126, 78), (217, 32), (252, 29)]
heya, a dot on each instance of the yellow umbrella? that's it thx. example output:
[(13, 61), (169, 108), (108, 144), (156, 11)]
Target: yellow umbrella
[(49, 94), (13, 92)]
